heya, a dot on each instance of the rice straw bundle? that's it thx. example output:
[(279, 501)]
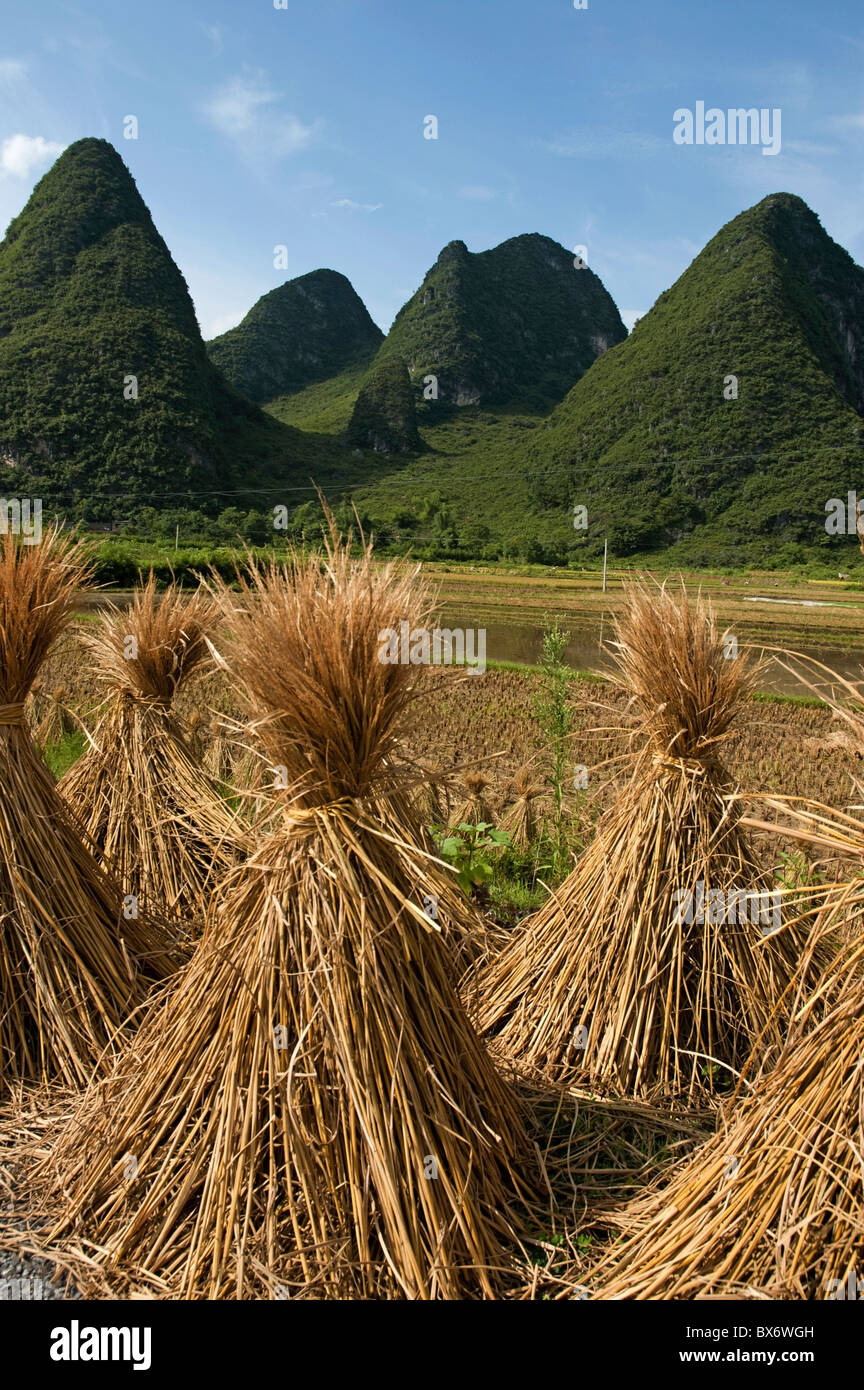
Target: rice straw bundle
[(195, 733), (144, 801), (839, 835), (249, 773), (71, 967), (520, 820), (310, 1110), (430, 798), (49, 714), (218, 756), (476, 807), (609, 982), (773, 1204)]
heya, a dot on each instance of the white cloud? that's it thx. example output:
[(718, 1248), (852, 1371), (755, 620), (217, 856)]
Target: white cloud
[(22, 155), (248, 110), (351, 206), (214, 34), (477, 192), (291, 135), (234, 108), (854, 121), (827, 186), (844, 38), (12, 71), (603, 143)]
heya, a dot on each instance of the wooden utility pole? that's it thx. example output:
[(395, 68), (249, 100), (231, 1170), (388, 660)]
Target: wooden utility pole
[(605, 553)]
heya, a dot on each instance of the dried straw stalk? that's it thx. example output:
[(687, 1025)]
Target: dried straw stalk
[(520, 821), (431, 797), (608, 984), (837, 834), (773, 1204), (71, 967), (146, 803), (475, 807), (289, 1100), (49, 715)]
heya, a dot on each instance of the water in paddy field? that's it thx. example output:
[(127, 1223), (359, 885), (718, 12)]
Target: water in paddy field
[(523, 643)]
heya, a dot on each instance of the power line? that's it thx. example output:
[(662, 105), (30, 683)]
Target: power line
[(730, 458), (279, 489), (216, 492)]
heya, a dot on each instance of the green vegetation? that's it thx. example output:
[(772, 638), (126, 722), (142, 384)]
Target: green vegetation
[(92, 307), (519, 884), (514, 324), (61, 754), (523, 876), (662, 460), (89, 295), (467, 497), (646, 440), (795, 871), (469, 848), (308, 330), (384, 418), (324, 407)]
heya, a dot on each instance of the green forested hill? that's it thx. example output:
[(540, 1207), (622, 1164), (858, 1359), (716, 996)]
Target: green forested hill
[(653, 439), (516, 325), (308, 330), (668, 454), (715, 434), (384, 417), (89, 299)]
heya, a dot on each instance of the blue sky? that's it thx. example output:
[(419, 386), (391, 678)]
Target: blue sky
[(303, 127)]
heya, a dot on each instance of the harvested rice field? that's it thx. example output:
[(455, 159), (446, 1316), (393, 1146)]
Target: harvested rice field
[(794, 745), (391, 980)]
